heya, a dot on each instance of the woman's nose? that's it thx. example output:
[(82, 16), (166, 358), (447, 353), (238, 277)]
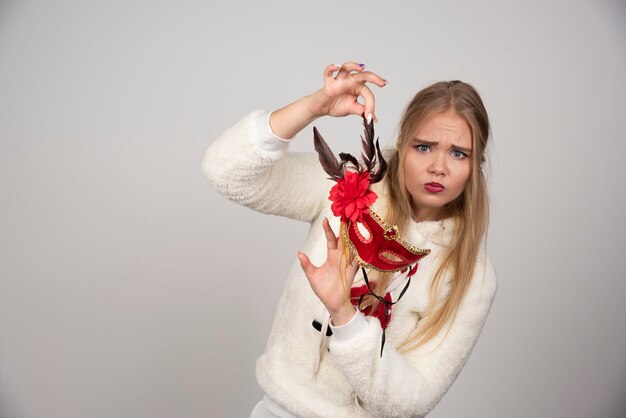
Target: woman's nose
[(437, 164)]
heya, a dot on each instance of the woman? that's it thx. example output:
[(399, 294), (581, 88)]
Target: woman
[(434, 192)]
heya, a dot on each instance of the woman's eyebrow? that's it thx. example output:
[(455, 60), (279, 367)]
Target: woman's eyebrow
[(427, 142)]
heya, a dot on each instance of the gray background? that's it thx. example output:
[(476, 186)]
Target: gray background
[(130, 289)]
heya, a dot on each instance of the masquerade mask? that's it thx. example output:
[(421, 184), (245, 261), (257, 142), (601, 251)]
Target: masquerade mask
[(368, 239), (372, 242)]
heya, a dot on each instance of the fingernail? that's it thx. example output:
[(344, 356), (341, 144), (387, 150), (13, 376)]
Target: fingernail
[(385, 81), (362, 65), (369, 118)]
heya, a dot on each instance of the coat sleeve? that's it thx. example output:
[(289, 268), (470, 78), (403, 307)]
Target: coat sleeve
[(250, 165), (412, 383)]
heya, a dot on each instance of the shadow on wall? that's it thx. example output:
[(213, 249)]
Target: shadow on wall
[(7, 409), (5, 7), (6, 13), (620, 405)]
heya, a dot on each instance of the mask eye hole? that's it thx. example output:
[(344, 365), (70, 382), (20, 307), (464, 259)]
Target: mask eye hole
[(364, 234), (390, 257)]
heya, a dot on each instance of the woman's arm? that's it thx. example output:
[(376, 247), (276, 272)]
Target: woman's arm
[(249, 162), (249, 165)]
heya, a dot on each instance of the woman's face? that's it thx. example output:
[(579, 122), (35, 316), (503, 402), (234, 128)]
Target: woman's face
[(437, 164)]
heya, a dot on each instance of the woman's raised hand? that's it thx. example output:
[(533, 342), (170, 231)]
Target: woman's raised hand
[(339, 96), (326, 279)]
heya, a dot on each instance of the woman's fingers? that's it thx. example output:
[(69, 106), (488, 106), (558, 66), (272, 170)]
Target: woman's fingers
[(328, 72), (366, 92), (331, 239), (342, 90), (342, 70), (353, 267), (368, 97), (347, 67), (371, 78), (308, 267), (346, 70)]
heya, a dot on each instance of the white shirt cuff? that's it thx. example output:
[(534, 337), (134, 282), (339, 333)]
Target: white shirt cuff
[(353, 327), (265, 137), (271, 131)]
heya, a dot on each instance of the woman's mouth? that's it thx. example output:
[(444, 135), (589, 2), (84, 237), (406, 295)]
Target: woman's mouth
[(434, 187)]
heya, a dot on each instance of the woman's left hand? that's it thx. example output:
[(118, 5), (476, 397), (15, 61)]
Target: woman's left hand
[(326, 279)]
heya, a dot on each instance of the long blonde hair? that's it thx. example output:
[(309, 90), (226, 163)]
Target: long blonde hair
[(470, 211)]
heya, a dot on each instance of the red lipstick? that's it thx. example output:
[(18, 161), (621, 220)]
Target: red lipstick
[(434, 187)]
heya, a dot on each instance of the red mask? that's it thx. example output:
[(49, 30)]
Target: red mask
[(380, 247)]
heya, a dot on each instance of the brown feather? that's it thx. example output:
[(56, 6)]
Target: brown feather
[(382, 166), (328, 160), (349, 158), (371, 154)]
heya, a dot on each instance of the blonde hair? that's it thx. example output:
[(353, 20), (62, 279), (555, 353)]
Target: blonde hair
[(470, 211)]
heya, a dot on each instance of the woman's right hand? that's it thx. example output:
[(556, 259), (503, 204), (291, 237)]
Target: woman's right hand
[(339, 96)]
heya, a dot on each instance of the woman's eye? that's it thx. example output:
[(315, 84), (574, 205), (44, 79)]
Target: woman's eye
[(458, 154), (421, 148)]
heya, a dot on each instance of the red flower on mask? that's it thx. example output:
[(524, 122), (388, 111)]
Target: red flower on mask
[(351, 196)]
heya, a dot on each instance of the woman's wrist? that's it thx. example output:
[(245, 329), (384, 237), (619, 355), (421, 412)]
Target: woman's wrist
[(287, 121), (343, 315), (317, 104)]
